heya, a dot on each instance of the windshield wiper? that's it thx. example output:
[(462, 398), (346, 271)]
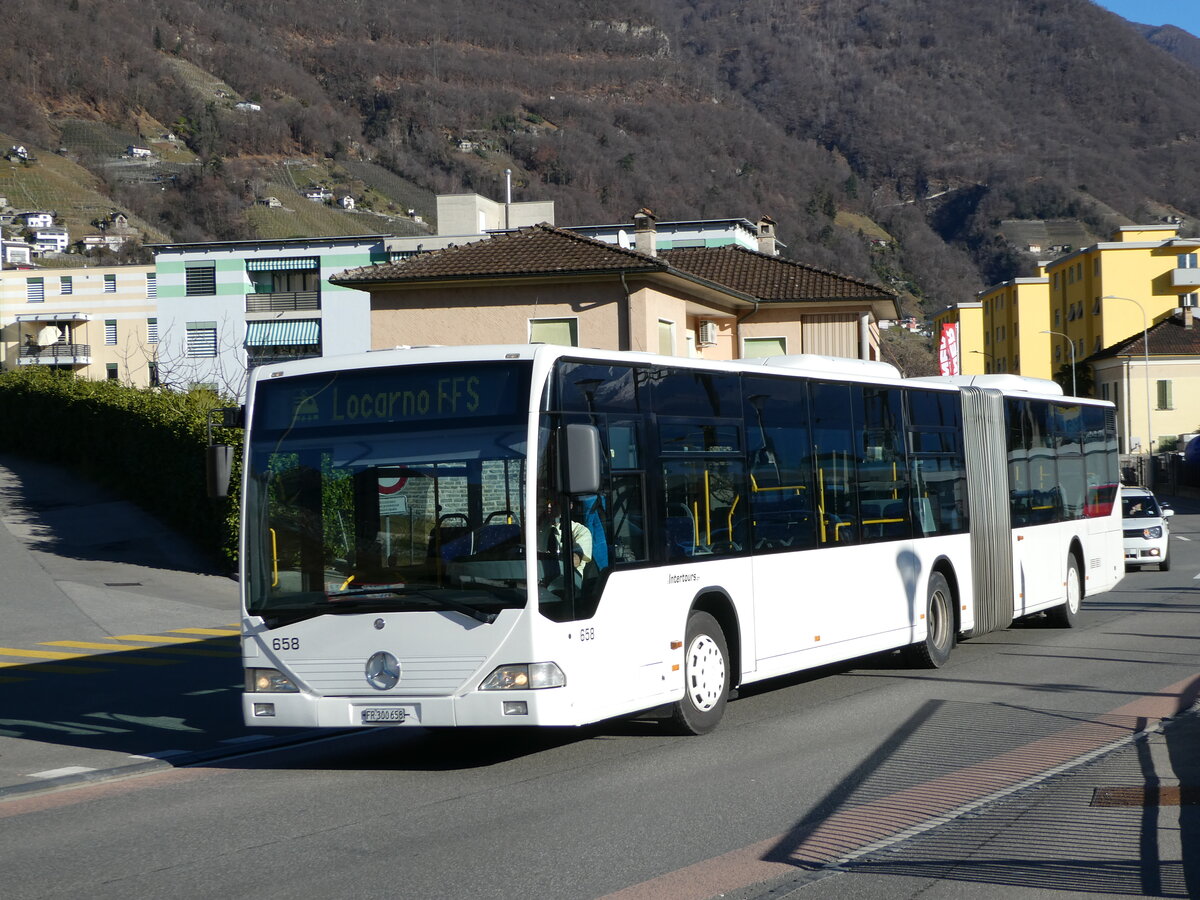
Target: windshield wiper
[(340, 598)]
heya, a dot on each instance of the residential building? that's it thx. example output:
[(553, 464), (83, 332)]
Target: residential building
[(227, 306), (464, 218), (1157, 393), (16, 253), (98, 322), (968, 317), (1016, 318), (50, 240), (36, 219), (548, 284)]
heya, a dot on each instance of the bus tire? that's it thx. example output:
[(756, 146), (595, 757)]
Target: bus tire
[(1066, 616), (705, 676), (933, 652)]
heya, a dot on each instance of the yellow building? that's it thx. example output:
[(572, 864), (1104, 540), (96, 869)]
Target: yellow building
[(1084, 302), (1016, 317), (99, 322), (968, 316)]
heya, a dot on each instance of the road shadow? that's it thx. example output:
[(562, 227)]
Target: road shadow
[(55, 510)]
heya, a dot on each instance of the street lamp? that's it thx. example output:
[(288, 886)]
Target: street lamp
[(986, 355), (1146, 352), (1071, 347)]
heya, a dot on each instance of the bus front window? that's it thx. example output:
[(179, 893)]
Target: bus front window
[(354, 517)]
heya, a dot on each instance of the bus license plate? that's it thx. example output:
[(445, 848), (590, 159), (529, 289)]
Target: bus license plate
[(392, 715)]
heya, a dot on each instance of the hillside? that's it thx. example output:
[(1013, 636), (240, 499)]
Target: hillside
[(930, 122)]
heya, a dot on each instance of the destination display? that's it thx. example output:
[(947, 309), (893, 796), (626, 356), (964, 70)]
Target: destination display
[(392, 395)]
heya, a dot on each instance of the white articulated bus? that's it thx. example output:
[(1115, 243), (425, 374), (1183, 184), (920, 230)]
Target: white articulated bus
[(544, 535)]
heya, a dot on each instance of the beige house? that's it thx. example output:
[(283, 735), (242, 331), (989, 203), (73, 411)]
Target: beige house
[(98, 322), (1168, 377), (551, 285)]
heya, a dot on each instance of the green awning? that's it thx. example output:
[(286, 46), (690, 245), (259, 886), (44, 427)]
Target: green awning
[(281, 265), (283, 334)]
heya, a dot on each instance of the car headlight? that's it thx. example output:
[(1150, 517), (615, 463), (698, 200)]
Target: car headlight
[(524, 677), (269, 681), (1152, 532)]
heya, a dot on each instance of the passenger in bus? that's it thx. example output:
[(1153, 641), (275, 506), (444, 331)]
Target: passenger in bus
[(550, 541)]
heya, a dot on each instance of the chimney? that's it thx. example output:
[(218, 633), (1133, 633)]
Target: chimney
[(644, 232), (766, 236), (1187, 317)]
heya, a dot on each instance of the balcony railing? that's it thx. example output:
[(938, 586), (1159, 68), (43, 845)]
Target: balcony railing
[(285, 301), (1185, 277), (56, 354), (266, 359)]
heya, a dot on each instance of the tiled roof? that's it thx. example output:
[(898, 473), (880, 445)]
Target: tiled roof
[(537, 250), (1168, 338), (547, 250), (770, 278)]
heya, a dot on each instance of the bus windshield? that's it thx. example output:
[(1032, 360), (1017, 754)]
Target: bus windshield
[(388, 489)]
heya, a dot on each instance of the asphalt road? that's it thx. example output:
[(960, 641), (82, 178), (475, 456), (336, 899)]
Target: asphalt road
[(866, 780)]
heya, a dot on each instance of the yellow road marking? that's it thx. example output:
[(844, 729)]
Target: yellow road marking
[(156, 638), (94, 645), (56, 668), (39, 654), (220, 632)]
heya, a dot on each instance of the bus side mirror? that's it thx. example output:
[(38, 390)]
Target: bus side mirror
[(218, 458), (218, 466), (581, 445)]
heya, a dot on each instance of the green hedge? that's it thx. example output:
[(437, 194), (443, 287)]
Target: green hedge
[(146, 444)]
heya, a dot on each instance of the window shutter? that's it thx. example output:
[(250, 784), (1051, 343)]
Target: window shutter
[(110, 331)]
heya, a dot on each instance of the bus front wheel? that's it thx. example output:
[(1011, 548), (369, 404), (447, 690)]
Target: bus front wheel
[(705, 676), (933, 652)]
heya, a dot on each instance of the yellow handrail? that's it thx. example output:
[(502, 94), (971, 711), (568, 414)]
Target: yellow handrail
[(274, 559)]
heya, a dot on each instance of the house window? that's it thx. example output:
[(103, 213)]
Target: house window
[(1096, 267), (1164, 395), (110, 371), (1104, 391), (151, 285), (110, 284), (1096, 307), (1057, 318), (152, 371), (64, 285), (201, 339), (199, 280), (1058, 354), (1189, 260), (110, 331), (152, 331), (756, 348), (666, 337), (1098, 346), (35, 290), (554, 331)]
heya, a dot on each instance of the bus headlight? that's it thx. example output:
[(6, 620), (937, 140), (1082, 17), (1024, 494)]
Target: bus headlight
[(269, 681), (524, 677)]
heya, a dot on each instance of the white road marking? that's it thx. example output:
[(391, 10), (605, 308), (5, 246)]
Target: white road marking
[(58, 773)]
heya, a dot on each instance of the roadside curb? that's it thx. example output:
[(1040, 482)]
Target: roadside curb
[(150, 766)]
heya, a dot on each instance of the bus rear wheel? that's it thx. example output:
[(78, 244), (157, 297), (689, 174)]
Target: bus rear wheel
[(705, 676), (933, 652), (1066, 616)]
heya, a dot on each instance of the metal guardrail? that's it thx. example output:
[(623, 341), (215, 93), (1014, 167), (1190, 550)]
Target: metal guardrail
[(286, 301)]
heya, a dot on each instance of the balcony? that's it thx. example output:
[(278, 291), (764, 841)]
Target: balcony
[(284, 301), (1185, 278), (55, 355)]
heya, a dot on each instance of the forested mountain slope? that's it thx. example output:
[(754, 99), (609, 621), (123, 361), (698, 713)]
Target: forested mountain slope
[(932, 120)]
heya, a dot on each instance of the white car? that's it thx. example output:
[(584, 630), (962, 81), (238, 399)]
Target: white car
[(1144, 521)]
